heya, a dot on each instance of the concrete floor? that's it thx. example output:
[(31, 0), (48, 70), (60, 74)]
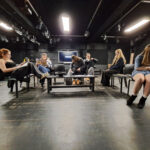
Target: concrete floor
[(72, 119)]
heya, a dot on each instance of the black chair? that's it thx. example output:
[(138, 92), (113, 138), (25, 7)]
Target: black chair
[(127, 70), (59, 69)]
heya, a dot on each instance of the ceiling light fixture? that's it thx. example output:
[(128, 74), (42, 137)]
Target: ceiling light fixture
[(146, 1), (139, 24), (5, 26), (65, 21)]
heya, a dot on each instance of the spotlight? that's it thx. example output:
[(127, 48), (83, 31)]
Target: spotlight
[(87, 33), (104, 37), (119, 27)]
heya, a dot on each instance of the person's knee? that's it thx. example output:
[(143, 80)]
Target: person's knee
[(147, 79), (140, 79), (39, 66)]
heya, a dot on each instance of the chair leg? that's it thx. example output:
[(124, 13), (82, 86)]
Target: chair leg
[(16, 83), (112, 81), (28, 85), (34, 80), (121, 79), (125, 81), (128, 86)]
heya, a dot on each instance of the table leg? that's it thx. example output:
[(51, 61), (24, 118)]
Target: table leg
[(48, 83), (93, 82)]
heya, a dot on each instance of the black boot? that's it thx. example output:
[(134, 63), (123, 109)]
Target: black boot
[(130, 100), (141, 103), (42, 82)]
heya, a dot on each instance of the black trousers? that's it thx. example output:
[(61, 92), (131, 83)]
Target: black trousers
[(106, 74), (20, 73)]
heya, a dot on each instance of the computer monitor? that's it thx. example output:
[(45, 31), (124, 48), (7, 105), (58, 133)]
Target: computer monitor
[(65, 56)]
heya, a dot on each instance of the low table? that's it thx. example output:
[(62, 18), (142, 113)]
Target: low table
[(50, 83)]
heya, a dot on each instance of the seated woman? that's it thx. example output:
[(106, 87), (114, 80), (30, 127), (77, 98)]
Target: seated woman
[(77, 68), (116, 67), (9, 68), (44, 65), (89, 64), (141, 75)]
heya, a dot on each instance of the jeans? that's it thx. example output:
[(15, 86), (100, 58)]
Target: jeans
[(43, 69)]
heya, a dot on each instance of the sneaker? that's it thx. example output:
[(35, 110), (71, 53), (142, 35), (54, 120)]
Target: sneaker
[(42, 82), (141, 103), (74, 82), (87, 79), (42, 76), (130, 100), (46, 74)]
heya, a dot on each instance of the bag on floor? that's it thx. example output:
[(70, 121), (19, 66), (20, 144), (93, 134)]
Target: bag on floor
[(68, 81)]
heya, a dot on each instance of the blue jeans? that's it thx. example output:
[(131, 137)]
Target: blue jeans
[(43, 69)]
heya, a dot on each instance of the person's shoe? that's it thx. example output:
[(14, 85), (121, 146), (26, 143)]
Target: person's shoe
[(46, 74), (141, 103), (78, 82), (74, 82), (87, 79), (42, 82), (130, 100), (42, 76)]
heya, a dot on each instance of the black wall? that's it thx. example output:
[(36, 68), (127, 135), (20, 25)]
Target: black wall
[(102, 51)]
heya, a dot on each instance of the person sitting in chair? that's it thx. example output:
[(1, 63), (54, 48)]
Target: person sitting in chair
[(77, 68), (44, 64), (9, 68), (89, 64), (141, 75), (117, 67)]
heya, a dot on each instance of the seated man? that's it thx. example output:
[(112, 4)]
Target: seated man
[(77, 68)]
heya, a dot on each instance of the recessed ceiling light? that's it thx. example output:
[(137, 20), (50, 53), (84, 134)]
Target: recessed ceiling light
[(139, 24), (65, 21), (5, 26)]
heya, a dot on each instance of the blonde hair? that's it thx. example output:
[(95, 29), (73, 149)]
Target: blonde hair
[(117, 57), (146, 55)]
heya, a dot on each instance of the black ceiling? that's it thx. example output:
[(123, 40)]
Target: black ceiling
[(109, 15)]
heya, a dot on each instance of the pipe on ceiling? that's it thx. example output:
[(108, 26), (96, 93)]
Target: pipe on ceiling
[(128, 12), (32, 7), (94, 14), (73, 36)]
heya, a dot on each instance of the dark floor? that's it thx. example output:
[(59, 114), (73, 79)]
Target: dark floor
[(72, 119)]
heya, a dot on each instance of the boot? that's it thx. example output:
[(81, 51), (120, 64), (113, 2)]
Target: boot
[(141, 103), (130, 100)]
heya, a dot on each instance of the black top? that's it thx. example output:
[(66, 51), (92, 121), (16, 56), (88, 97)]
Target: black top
[(76, 65), (8, 65), (118, 66), (90, 63)]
